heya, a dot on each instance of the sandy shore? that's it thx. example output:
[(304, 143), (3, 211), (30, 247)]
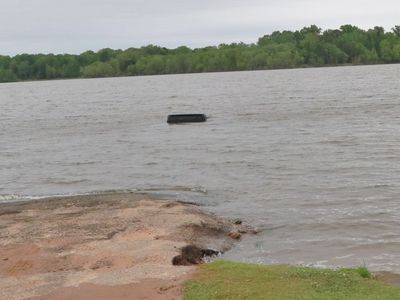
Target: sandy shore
[(98, 246)]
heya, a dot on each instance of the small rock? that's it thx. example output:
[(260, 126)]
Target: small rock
[(237, 222), (210, 252), (193, 255), (252, 231), (166, 288), (190, 255), (235, 235), (248, 231)]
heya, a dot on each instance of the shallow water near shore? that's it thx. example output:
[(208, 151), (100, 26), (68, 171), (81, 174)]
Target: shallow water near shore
[(311, 156)]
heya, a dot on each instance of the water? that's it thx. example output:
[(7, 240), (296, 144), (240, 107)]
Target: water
[(311, 156)]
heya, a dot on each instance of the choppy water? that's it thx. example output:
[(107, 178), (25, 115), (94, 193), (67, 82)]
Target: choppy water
[(312, 156)]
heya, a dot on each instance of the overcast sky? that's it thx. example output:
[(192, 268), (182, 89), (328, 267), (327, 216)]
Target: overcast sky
[(73, 26)]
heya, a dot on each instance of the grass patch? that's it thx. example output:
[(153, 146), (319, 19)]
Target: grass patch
[(231, 280), (363, 272)]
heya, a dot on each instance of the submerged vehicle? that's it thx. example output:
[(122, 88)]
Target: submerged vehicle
[(186, 118)]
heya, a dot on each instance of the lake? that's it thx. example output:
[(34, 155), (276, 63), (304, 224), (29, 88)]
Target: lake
[(310, 156)]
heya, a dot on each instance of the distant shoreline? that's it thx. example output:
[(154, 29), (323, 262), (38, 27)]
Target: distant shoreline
[(307, 47), (197, 73)]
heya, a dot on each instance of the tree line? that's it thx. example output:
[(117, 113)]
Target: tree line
[(309, 46)]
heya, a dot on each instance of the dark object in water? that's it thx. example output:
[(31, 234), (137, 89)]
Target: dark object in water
[(186, 118), (193, 255)]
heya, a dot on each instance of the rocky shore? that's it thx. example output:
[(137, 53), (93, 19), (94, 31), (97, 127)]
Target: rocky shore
[(118, 246)]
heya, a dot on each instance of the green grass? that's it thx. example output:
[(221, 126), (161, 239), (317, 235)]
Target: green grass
[(231, 280)]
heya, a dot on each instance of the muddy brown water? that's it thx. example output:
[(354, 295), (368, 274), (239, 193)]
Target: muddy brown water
[(311, 156)]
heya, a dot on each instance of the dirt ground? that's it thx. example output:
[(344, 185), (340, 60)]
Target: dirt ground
[(110, 246)]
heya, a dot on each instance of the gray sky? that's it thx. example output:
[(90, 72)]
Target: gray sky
[(73, 26)]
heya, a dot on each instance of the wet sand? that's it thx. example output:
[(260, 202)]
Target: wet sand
[(98, 246)]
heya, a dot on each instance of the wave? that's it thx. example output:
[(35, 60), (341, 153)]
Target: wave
[(6, 198), (66, 182), (16, 198)]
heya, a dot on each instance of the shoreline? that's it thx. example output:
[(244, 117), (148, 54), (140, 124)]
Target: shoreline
[(103, 244), (210, 72), (118, 245)]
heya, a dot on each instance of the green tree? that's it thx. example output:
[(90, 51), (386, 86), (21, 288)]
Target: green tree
[(396, 30), (87, 58), (23, 70), (7, 76), (71, 68), (97, 69), (105, 54), (127, 58)]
